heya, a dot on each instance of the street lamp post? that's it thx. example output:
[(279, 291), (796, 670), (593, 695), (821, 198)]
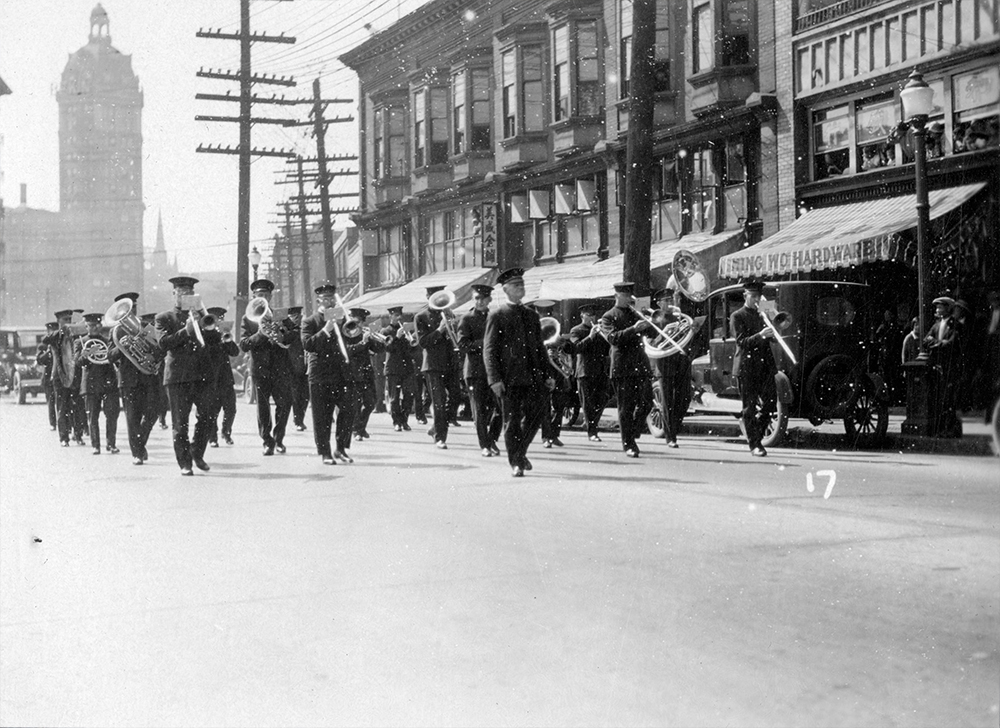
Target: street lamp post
[(254, 258), (921, 390)]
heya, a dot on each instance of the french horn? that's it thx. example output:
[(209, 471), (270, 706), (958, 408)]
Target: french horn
[(135, 341), (95, 351)]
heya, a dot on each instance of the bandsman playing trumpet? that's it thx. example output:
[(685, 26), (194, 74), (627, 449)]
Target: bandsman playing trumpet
[(267, 342), (753, 365), (99, 383), (673, 370), (186, 371), (221, 379), (436, 336), (140, 393), (71, 415), (361, 371), (399, 368), (485, 408), (592, 351), (630, 375)]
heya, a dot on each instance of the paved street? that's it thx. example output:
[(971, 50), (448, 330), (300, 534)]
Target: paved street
[(696, 587)]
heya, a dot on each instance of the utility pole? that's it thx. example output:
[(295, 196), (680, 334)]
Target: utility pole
[(244, 150), (291, 257), (319, 129), (639, 148), (304, 231)]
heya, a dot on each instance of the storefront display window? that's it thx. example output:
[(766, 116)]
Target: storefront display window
[(976, 117), (451, 240), (875, 120), (831, 142), (391, 268)]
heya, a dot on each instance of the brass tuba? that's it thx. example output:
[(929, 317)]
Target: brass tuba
[(135, 341)]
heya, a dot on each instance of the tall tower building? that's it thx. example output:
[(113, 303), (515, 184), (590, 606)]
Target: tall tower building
[(100, 170)]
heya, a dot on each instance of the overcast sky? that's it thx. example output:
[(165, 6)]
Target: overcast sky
[(196, 193)]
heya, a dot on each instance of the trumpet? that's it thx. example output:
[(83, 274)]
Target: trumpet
[(442, 301), (259, 312), (375, 335), (780, 339), (330, 316), (193, 304)]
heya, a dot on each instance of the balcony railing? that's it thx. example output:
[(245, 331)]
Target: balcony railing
[(827, 14)]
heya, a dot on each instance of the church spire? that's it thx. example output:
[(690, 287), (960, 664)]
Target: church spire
[(100, 26), (160, 246)]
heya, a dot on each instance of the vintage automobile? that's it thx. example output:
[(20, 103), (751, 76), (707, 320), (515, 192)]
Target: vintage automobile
[(825, 326), (20, 375)]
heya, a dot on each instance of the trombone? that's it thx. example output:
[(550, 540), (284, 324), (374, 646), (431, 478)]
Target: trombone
[(442, 301), (667, 339), (780, 339)]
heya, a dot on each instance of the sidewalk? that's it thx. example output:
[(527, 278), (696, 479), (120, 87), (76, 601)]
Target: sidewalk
[(976, 437)]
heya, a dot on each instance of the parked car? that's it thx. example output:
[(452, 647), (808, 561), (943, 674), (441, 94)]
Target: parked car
[(825, 325), (18, 371)]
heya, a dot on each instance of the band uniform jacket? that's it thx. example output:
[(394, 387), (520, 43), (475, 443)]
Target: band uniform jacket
[(360, 352), (628, 355), (512, 348), (674, 363), (325, 364), (471, 332), (95, 378), (398, 353), (43, 359), (439, 352), (592, 352), (221, 366), (753, 352), (267, 358), (55, 342), (128, 375), (296, 354), (186, 360)]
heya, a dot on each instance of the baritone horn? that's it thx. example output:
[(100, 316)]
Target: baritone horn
[(690, 276), (259, 312), (136, 342), (551, 330), (442, 301)]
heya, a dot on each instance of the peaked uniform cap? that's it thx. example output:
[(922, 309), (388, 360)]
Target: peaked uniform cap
[(131, 295), (509, 275), (183, 281), (262, 284)]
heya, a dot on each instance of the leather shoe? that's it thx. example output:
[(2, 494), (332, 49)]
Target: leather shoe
[(595, 438), (137, 461), (672, 443), (268, 450), (64, 443), (759, 452), (280, 447), (328, 460), (201, 464), (163, 426), (145, 455), (526, 464), (364, 434), (97, 451), (358, 437), (227, 439), (487, 453), (300, 428), (397, 428), (213, 443), (557, 442), (187, 471), (632, 452), (547, 444), (113, 450), (441, 445), (406, 427), (422, 420), (343, 456), (517, 471), (494, 449), (454, 423)]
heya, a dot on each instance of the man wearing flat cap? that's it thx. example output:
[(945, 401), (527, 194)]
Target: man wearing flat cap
[(99, 383), (439, 365), (944, 346), (300, 381), (362, 372), (592, 353), (399, 368), (630, 376), (518, 369), (187, 369), (471, 332), (71, 413), (753, 365), (221, 381), (267, 342), (140, 391)]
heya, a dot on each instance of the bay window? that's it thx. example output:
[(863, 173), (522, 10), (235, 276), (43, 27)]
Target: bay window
[(470, 93), (430, 126), (721, 33), (522, 101), (661, 47), (389, 142), (576, 70)]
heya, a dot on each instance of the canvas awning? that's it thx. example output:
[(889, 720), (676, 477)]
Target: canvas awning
[(842, 236), (412, 296)]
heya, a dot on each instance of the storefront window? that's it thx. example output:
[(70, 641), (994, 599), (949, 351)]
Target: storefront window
[(451, 240), (391, 267), (704, 191), (831, 142), (667, 200), (976, 117), (875, 120)]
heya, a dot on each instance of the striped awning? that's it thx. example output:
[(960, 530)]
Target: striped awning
[(412, 296), (841, 236)]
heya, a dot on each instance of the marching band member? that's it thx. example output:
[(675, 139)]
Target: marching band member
[(362, 372), (560, 397), (140, 393), (99, 385), (517, 369), (300, 380), (629, 366), (221, 380), (592, 354), (399, 369), (70, 411), (186, 370), (471, 331), (753, 365), (44, 359), (162, 400), (328, 374), (271, 370), (674, 371), (438, 366)]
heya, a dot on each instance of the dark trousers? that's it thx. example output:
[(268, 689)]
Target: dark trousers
[(400, 396), (635, 400), (559, 400), (163, 405), (364, 403), (109, 403), (485, 412), (675, 383), (327, 400), (50, 401), (182, 397), (71, 414), (141, 404), (224, 402), (437, 385), (523, 409), (454, 385), (421, 400), (593, 398), (300, 398), (758, 393), (277, 388)]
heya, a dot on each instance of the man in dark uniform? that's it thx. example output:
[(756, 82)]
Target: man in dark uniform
[(630, 373), (140, 392), (561, 396), (673, 371), (592, 365), (517, 369), (362, 371), (186, 372), (300, 381), (44, 359), (329, 381), (221, 379), (438, 365), (70, 411), (271, 369), (753, 365), (471, 331), (99, 385), (162, 400), (399, 369)]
